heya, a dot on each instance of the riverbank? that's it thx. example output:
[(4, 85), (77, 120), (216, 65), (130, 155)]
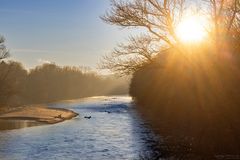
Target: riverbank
[(39, 113)]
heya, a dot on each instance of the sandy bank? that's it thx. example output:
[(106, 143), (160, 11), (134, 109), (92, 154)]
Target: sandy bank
[(40, 114)]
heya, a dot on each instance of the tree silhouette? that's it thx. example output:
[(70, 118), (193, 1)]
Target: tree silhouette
[(158, 19), (191, 98)]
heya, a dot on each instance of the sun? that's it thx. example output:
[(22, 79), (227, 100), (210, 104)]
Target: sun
[(191, 29)]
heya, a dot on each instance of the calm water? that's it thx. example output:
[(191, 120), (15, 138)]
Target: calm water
[(115, 131), (16, 124)]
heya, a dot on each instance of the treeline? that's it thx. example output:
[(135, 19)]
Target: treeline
[(49, 82)]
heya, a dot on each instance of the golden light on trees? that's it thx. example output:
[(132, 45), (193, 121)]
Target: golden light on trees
[(192, 29), (212, 26)]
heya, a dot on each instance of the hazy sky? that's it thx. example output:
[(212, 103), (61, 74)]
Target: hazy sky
[(68, 32)]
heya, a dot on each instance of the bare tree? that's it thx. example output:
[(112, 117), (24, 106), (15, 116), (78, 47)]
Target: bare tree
[(4, 53), (158, 19), (127, 58), (225, 14)]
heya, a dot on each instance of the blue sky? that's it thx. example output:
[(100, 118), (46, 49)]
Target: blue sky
[(67, 32)]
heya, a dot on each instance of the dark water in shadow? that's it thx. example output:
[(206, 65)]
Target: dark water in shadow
[(114, 131)]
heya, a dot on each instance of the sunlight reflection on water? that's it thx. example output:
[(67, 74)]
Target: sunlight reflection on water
[(115, 131)]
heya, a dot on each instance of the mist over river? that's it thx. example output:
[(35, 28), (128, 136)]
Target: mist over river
[(114, 131)]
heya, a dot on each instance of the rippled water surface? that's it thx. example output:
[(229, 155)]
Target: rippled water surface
[(115, 131)]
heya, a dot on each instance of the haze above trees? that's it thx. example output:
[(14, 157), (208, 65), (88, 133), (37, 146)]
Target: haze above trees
[(50, 82)]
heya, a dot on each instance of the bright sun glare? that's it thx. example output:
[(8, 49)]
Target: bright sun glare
[(191, 29)]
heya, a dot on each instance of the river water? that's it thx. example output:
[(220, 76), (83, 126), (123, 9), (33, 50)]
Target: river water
[(114, 131)]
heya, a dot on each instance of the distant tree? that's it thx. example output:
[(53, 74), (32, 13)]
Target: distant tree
[(50, 82), (4, 88), (4, 53), (13, 78)]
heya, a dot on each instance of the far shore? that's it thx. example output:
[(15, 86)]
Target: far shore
[(39, 113)]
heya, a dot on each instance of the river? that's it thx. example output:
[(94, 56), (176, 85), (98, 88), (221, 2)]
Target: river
[(114, 131)]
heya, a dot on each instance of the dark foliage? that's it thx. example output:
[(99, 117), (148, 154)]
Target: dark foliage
[(195, 105), (189, 91), (49, 82)]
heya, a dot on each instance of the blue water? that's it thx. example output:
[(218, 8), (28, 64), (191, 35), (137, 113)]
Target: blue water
[(115, 131)]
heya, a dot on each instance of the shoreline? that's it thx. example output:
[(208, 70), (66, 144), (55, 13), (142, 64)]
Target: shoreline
[(39, 113)]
